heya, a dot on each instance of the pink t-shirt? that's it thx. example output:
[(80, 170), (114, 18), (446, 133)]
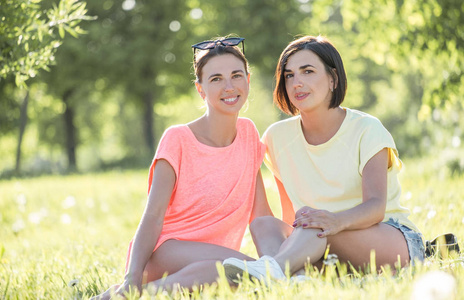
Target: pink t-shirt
[(215, 186)]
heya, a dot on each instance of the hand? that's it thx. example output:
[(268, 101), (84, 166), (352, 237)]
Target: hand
[(117, 290), (327, 221), (130, 287)]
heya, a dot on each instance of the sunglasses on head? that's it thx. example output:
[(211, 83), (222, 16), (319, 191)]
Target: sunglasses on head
[(232, 41)]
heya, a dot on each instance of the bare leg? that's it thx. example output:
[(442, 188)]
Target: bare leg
[(187, 263), (194, 274), (302, 245), (269, 234), (355, 246), (350, 246)]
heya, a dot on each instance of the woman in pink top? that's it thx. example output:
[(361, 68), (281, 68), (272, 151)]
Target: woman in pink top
[(205, 182)]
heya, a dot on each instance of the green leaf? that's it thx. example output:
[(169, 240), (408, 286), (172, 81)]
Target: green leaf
[(61, 30)]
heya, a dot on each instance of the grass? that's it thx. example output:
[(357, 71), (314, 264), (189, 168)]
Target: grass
[(65, 237)]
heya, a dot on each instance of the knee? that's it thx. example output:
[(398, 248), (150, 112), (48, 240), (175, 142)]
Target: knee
[(260, 224)]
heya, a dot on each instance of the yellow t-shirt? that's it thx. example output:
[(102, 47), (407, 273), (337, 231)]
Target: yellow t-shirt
[(329, 176)]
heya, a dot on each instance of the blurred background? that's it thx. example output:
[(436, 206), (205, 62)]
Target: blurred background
[(90, 86)]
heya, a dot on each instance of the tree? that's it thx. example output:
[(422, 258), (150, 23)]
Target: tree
[(421, 41), (30, 35), (29, 38)]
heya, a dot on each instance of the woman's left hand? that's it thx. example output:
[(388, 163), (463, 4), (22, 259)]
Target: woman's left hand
[(327, 221)]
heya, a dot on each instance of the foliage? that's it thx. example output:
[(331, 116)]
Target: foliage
[(130, 76), (30, 35), (420, 43), (67, 236)]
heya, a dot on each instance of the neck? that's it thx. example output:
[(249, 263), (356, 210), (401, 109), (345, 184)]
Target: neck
[(320, 126), (216, 130)]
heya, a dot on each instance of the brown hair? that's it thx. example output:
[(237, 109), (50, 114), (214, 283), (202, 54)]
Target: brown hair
[(329, 56), (203, 56)]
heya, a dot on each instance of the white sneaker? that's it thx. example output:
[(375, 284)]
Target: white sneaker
[(299, 278), (234, 267)]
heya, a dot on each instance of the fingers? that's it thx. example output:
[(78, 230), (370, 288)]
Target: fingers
[(323, 233), (306, 223)]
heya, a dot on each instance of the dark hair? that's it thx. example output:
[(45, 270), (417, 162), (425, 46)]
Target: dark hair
[(203, 56), (329, 56)]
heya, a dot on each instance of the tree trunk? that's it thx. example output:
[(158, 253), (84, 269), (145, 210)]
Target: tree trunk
[(70, 131), (148, 121), (22, 128)]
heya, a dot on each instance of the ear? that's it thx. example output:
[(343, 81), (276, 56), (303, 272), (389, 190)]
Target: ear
[(335, 78), (248, 77), (200, 90)]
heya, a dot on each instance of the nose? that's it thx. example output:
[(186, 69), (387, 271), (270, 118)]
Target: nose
[(297, 81), (229, 87)]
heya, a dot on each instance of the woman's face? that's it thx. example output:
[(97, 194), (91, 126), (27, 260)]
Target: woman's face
[(307, 82), (224, 84)]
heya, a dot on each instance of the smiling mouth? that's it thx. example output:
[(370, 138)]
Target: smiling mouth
[(231, 100), (301, 96)]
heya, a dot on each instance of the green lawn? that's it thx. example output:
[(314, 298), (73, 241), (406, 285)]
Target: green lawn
[(65, 237)]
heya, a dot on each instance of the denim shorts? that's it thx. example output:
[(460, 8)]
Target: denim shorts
[(414, 240)]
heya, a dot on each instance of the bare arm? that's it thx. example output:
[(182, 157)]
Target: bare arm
[(371, 211), (151, 223), (288, 213), (374, 191), (260, 204)]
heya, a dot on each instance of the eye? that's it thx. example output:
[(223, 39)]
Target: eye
[(237, 76), (307, 71), (288, 75), (215, 79)]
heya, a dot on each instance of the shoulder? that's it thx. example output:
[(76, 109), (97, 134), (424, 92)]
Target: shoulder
[(362, 117), (247, 125), (175, 133), (245, 122), (363, 120), (283, 127)]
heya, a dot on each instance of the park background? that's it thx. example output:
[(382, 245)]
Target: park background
[(87, 89)]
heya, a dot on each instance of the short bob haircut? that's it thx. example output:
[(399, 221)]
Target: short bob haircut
[(203, 56), (332, 61)]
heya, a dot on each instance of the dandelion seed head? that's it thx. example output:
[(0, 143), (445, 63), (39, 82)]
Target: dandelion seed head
[(69, 202), (18, 226), (408, 196), (416, 209), (435, 285), (73, 282), (431, 214), (35, 217), (66, 219)]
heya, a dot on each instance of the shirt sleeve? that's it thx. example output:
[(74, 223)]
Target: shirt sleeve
[(170, 149), (376, 137), (270, 154)]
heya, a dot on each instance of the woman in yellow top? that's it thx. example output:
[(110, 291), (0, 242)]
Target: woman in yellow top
[(337, 167)]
